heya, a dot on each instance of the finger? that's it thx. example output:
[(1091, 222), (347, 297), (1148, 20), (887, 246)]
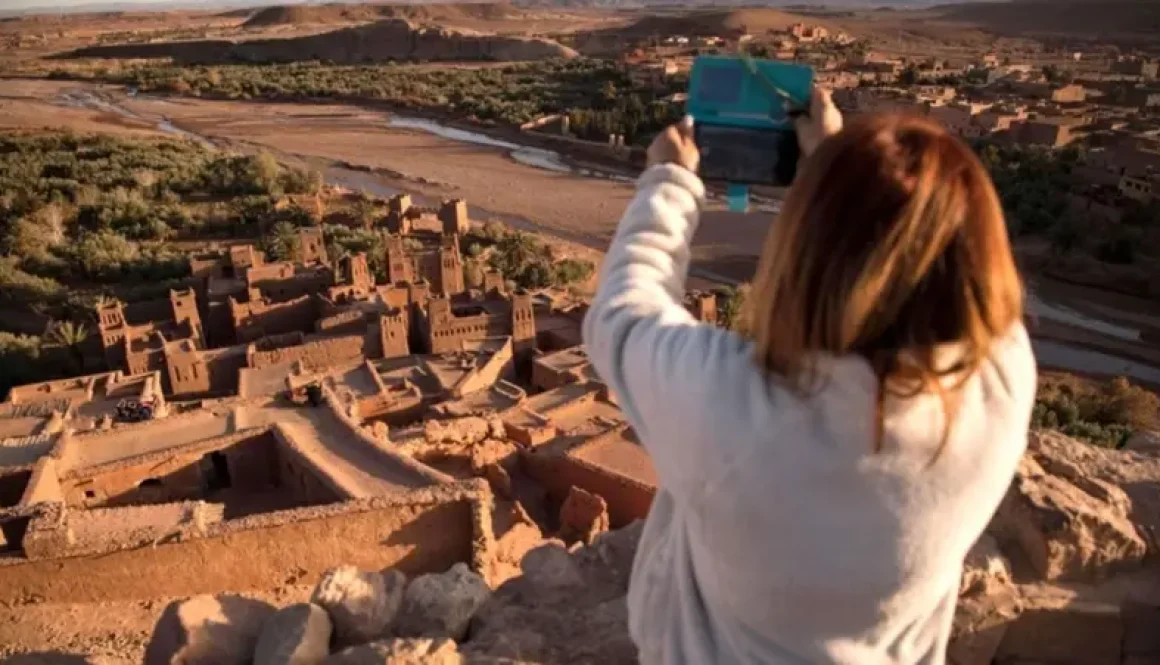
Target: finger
[(817, 99), (685, 127)]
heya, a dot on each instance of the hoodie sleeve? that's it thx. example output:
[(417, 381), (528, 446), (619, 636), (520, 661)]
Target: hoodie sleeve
[(664, 366)]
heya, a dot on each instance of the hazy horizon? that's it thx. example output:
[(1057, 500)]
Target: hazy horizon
[(51, 6)]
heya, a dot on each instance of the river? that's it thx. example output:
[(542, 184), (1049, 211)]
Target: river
[(1050, 354)]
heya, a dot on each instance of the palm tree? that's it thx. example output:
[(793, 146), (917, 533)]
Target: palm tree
[(70, 335)]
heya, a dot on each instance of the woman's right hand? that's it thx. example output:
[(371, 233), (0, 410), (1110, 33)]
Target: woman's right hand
[(823, 121)]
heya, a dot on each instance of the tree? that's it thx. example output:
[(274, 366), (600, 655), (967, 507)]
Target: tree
[(265, 170), (72, 336), (281, 243)]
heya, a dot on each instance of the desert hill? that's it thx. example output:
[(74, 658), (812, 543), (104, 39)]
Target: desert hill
[(1074, 18), (714, 22), (366, 13), (391, 39)]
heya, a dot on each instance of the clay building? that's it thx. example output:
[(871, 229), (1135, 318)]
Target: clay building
[(402, 215), (448, 323), (256, 319), (133, 335), (562, 367), (440, 266)]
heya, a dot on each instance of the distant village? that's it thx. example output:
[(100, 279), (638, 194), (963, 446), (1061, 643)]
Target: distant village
[(1105, 102)]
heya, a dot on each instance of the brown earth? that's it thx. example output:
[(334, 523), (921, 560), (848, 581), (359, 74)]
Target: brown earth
[(1073, 18), (356, 13), (391, 39)]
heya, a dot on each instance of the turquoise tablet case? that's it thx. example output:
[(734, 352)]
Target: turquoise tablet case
[(722, 91)]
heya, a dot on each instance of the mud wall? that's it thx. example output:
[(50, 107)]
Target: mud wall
[(254, 320), (250, 463), (416, 532), (44, 485), (300, 477), (316, 355), (627, 500)]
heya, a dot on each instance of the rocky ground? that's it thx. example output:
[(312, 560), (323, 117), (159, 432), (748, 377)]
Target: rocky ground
[(1065, 575)]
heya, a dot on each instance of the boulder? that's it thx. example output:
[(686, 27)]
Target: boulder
[(441, 605), (296, 635), (550, 565), (417, 651), (583, 516), (565, 608), (361, 604), (613, 553), (207, 630), (988, 602), (1076, 530)]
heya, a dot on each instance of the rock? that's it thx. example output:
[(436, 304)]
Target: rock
[(613, 553), (296, 635), (1144, 441), (545, 626), (470, 429), (583, 516), (360, 604), (985, 568), (988, 602), (207, 630), (499, 480), (1066, 532), (493, 451), (417, 651), (1077, 625), (550, 565), (441, 605), (495, 429)]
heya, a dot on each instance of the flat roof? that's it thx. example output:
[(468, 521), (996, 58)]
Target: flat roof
[(141, 438)]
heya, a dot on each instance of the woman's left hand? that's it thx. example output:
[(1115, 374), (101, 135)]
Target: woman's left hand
[(675, 145)]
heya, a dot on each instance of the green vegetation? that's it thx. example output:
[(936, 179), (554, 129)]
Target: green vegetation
[(83, 216), (730, 302), (599, 96), (1104, 414), (1034, 185), (523, 259), (85, 211)]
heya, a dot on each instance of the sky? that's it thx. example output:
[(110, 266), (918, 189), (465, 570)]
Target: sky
[(49, 5)]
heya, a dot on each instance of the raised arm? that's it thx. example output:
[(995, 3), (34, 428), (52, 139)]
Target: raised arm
[(662, 364)]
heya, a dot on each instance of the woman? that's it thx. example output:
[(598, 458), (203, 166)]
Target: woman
[(823, 475)]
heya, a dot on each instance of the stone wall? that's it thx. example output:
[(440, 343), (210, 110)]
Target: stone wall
[(318, 355), (421, 531)]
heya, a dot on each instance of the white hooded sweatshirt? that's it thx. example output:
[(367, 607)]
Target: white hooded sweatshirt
[(777, 535)]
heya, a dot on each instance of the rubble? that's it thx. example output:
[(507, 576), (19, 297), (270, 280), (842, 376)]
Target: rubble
[(410, 651)]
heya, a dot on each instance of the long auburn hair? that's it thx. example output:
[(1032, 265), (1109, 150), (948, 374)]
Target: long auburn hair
[(890, 245)]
